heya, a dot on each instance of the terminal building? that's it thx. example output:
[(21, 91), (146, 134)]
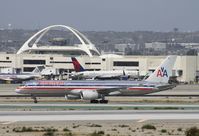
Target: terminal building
[(58, 53)]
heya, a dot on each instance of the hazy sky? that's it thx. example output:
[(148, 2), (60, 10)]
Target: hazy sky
[(102, 15)]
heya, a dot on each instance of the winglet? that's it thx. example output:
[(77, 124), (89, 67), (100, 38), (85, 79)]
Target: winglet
[(77, 65), (163, 71)]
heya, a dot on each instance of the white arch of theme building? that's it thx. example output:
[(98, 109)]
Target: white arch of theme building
[(85, 44)]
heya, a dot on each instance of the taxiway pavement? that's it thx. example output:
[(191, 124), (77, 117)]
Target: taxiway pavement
[(140, 116), (98, 105)]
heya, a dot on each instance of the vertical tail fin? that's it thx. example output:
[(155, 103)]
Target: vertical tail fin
[(163, 71), (37, 69), (77, 65)]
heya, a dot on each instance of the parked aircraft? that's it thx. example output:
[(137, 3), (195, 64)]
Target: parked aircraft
[(21, 76), (97, 89), (103, 75)]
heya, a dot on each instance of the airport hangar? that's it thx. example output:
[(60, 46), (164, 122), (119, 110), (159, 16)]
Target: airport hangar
[(33, 54)]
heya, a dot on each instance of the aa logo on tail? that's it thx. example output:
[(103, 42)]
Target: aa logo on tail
[(162, 72)]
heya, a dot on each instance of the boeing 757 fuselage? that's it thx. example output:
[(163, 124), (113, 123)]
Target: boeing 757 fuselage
[(95, 89)]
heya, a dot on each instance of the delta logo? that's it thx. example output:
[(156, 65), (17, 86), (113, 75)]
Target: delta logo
[(162, 72)]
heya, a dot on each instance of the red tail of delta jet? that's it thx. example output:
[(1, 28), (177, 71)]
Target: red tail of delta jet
[(77, 65)]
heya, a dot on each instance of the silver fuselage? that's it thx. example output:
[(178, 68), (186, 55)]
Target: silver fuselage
[(74, 87)]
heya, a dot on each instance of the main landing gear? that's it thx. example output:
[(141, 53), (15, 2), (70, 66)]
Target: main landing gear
[(103, 101), (100, 101), (35, 99)]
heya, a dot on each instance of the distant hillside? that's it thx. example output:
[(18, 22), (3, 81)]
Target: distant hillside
[(12, 40)]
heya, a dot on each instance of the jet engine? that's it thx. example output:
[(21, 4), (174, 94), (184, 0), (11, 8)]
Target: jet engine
[(90, 95)]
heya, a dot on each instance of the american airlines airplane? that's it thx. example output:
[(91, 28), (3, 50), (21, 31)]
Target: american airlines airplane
[(103, 75), (97, 89), (21, 76)]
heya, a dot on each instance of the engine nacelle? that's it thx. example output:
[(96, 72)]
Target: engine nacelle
[(90, 95), (72, 97)]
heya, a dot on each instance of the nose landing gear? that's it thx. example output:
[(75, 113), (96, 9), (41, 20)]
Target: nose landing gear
[(34, 99)]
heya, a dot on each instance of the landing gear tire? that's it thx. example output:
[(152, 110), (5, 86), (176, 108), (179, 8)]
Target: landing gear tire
[(35, 99), (103, 101), (94, 101)]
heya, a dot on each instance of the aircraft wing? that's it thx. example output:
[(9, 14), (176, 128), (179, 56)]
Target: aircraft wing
[(108, 91), (15, 78), (107, 76), (110, 76), (6, 79), (104, 91)]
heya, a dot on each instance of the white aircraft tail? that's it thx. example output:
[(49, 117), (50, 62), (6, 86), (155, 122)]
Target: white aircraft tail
[(163, 71), (38, 70)]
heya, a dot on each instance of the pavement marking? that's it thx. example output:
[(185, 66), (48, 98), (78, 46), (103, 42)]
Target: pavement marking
[(11, 117), (8, 122), (142, 120)]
